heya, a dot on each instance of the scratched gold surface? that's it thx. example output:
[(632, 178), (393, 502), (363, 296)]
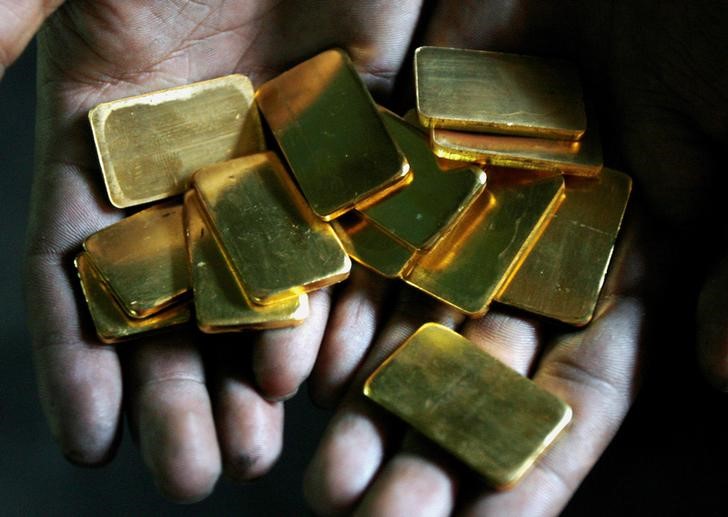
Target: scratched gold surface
[(329, 130), (468, 266), (481, 411), (582, 158), (149, 145), (273, 241), (372, 247), (491, 92), (420, 213), (562, 276), (143, 259), (220, 303), (112, 324)]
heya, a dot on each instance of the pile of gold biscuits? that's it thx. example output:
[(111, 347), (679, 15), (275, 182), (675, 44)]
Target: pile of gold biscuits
[(405, 197)]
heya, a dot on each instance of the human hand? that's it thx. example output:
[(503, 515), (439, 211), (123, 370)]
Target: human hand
[(658, 74), (196, 405)]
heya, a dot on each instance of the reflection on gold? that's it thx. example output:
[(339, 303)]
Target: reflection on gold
[(149, 145), (419, 214), (583, 158), (563, 275), (471, 263), (112, 324), (142, 259), (373, 248), (220, 304), (329, 130), (487, 415), (492, 92), (274, 244)]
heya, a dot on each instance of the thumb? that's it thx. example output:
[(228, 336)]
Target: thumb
[(19, 22)]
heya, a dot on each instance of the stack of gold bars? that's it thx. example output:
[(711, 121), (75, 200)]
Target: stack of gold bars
[(407, 198)]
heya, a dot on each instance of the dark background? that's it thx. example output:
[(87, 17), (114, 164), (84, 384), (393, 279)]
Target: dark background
[(670, 458)]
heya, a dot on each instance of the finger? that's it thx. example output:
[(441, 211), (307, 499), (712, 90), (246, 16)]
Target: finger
[(511, 337), (283, 358), (713, 327), (170, 412), (351, 328), (79, 380), (595, 371), (419, 480), (249, 428), (360, 435)]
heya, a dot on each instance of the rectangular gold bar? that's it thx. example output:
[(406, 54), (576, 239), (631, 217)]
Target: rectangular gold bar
[(582, 158), (470, 264), (143, 259), (491, 92), (420, 213), (477, 408), (331, 134), (274, 243), (149, 145), (112, 324), (562, 276), (372, 247), (220, 303)]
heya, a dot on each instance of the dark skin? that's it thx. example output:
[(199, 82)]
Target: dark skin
[(657, 71)]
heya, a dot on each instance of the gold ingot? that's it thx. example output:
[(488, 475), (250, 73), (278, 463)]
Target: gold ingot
[(143, 259), (220, 303), (372, 247), (484, 413), (331, 134), (582, 158), (419, 214), (468, 266), (112, 324), (149, 145), (472, 90), (562, 276), (275, 245)]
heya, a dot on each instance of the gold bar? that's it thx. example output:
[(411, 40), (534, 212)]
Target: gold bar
[(419, 214), (220, 303), (331, 134), (470, 264), (372, 247), (563, 275), (582, 158), (149, 145), (477, 408), (112, 324), (142, 259), (491, 92), (275, 245)]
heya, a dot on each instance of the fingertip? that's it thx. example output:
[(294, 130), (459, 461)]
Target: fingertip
[(344, 464), (191, 487)]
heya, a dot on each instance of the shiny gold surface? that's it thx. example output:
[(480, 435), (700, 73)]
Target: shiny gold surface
[(491, 92), (143, 259), (275, 244), (582, 158), (423, 211), (470, 264), (468, 402), (220, 303), (150, 145), (331, 134), (372, 247), (562, 276), (112, 324)]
